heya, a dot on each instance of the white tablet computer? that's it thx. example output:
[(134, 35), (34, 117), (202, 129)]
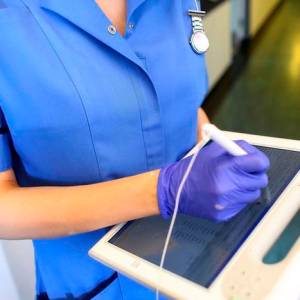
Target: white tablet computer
[(229, 260)]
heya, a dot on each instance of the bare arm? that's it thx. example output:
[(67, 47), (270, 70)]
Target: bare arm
[(202, 119), (48, 212)]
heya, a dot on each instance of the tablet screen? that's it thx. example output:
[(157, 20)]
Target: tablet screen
[(199, 249)]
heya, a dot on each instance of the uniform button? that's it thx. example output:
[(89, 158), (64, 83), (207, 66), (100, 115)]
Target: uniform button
[(131, 25), (112, 29)]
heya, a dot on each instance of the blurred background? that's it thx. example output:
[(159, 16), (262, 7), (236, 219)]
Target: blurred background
[(254, 66), (254, 69)]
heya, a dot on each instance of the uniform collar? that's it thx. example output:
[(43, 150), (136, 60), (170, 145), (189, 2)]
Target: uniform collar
[(86, 15), (132, 5)]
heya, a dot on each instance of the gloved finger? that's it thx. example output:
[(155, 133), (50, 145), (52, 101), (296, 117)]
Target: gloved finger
[(234, 212), (253, 150), (247, 147), (227, 213), (240, 198), (252, 182), (252, 163)]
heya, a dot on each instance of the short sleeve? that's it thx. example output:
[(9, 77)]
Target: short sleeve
[(5, 145)]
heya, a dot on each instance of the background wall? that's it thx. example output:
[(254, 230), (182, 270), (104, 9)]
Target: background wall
[(217, 26), (8, 289), (17, 273), (260, 10)]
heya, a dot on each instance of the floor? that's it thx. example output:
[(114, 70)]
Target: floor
[(261, 94), (265, 98)]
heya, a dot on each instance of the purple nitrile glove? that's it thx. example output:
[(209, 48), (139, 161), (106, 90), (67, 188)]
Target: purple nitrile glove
[(219, 185)]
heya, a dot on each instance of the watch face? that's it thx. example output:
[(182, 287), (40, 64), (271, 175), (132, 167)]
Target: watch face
[(200, 42)]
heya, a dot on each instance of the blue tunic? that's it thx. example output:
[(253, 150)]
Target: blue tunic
[(79, 105)]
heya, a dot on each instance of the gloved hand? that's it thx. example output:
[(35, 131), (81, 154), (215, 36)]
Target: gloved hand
[(219, 185)]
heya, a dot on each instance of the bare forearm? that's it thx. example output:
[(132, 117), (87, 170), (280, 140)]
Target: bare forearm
[(202, 119), (48, 212)]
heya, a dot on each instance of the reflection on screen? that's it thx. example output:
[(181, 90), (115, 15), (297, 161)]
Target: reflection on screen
[(200, 249)]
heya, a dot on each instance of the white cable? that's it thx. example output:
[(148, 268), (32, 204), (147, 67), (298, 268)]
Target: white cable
[(196, 4), (175, 215)]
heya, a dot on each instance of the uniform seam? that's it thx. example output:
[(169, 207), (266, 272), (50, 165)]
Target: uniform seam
[(73, 83), (159, 105), (140, 113), (160, 115)]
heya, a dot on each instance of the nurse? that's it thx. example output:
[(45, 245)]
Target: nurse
[(98, 102)]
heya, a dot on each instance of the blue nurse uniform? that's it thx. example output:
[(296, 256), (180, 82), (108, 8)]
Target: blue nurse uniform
[(80, 105)]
